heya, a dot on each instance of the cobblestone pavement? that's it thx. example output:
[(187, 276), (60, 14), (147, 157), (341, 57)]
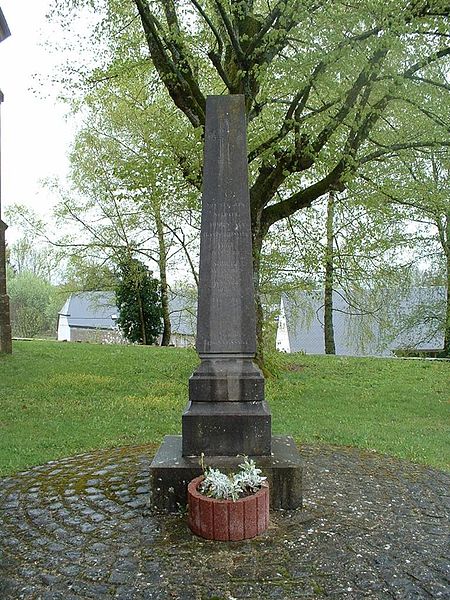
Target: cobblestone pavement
[(372, 527)]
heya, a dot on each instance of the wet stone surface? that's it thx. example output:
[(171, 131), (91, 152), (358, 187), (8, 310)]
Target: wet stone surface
[(371, 527)]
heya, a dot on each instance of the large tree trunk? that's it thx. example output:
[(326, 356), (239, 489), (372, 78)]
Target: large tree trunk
[(330, 347), (258, 236), (447, 311), (447, 314), (167, 327)]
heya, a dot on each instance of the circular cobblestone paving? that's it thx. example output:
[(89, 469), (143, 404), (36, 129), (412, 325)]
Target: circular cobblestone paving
[(372, 527)]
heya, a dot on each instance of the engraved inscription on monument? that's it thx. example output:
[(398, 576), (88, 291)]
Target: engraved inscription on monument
[(226, 315), (227, 413)]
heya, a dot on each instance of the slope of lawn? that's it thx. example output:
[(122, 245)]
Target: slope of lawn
[(58, 399)]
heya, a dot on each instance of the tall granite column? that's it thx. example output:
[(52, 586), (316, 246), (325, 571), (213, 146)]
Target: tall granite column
[(5, 318), (227, 414)]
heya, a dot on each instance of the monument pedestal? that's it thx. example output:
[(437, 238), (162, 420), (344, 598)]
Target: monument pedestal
[(171, 472), (5, 314), (226, 428), (228, 377), (227, 416)]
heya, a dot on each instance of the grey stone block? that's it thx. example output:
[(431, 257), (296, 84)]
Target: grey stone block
[(226, 379), (226, 308), (170, 473), (226, 429)]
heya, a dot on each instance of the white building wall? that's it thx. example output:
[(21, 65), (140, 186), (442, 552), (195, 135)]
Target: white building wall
[(63, 329), (282, 339), (182, 341)]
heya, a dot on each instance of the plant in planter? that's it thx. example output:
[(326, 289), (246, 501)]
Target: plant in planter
[(229, 507)]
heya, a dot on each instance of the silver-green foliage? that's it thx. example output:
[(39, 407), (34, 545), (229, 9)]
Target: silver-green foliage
[(220, 486)]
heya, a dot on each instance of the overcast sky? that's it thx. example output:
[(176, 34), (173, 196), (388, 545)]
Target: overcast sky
[(35, 135)]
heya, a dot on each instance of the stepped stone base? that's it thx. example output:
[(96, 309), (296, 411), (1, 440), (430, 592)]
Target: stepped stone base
[(226, 378), (171, 472), (226, 428)]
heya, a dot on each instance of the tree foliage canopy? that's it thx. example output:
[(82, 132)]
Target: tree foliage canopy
[(330, 87), (34, 305), (138, 302), (337, 94)]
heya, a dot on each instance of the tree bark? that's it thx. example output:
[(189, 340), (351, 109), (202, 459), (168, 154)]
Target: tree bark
[(447, 311), (167, 327), (330, 347), (258, 234)]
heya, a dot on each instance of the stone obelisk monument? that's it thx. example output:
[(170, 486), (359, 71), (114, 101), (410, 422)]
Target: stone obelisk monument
[(227, 416), (5, 317)]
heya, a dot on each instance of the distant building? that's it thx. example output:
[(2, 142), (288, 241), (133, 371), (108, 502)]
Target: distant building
[(92, 317), (4, 29), (183, 319), (390, 322), (89, 317)]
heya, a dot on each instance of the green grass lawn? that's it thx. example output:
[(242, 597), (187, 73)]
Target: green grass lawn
[(57, 399)]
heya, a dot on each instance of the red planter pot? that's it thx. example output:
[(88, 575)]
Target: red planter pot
[(227, 520)]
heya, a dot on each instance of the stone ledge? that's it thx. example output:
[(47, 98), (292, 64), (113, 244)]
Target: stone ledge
[(226, 429), (170, 473)]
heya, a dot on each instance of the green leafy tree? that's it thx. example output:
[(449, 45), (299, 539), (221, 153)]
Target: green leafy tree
[(138, 301), (368, 250), (351, 244), (33, 268), (330, 88), (419, 187), (32, 252), (84, 275), (121, 186), (34, 305)]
